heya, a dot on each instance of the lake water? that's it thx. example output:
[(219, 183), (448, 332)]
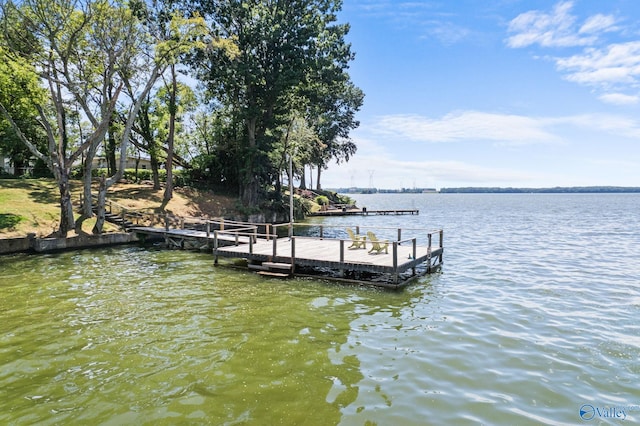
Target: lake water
[(534, 319)]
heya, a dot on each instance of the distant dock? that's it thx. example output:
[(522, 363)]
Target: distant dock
[(363, 212)]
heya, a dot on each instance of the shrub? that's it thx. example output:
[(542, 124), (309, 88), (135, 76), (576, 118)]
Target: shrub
[(322, 200)]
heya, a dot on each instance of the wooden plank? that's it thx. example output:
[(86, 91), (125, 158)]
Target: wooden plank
[(256, 267), (273, 274), (275, 265)]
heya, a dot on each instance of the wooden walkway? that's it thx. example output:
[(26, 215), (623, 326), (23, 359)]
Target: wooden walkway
[(188, 238)]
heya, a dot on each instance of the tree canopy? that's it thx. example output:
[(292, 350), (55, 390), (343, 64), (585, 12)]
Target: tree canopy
[(226, 89)]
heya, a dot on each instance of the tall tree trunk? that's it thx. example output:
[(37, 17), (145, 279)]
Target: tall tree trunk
[(87, 206), (67, 221), (110, 148), (155, 174), (102, 200), (303, 178), (318, 186), (249, 195), (137, 166), (168, 189)]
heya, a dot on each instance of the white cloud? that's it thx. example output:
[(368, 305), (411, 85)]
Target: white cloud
[(619, 99), (614, 68), (467, 125), (555, 29), (609, 125), (382, 171), (599, 23), (615, 64), (447, 32), (386, 163)]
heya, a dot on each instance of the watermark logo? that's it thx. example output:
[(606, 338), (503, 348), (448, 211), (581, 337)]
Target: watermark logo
[(587, 412), (590, 412)]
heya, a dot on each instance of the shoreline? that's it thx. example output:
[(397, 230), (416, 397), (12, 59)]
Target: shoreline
[(33, 244)]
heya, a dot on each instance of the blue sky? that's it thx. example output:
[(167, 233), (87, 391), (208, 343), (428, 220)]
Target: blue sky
[(494, 93)]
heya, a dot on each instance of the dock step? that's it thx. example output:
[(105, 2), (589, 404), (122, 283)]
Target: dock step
[(274, 274), (272, 269), (279, 266)]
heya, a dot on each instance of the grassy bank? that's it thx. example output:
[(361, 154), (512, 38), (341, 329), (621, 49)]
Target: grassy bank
[(32, 205)]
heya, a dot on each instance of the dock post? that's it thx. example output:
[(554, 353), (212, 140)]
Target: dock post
[(215, 247), (395, 262), (414, 241), (399, 235), (321, 231), (293, 255), (208, 224), (342, 257), (395, 256)]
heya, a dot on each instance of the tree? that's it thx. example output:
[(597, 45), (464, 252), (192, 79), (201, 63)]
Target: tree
[(56, 42), (17, 85), (285, 48), (333, 99), (276, 43), (154, 53)]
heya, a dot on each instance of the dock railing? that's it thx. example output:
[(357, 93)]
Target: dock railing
[(253, 235)]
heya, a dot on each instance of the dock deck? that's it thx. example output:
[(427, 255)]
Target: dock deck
[(330, 257), (303, 254)]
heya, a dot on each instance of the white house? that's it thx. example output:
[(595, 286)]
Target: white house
[(130, 162)]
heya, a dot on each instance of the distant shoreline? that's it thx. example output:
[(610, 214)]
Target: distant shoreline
[(497, 190)]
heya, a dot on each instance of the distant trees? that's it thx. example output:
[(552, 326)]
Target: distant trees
[(79, 77)]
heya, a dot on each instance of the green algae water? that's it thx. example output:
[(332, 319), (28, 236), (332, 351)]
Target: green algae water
[(534, 319)]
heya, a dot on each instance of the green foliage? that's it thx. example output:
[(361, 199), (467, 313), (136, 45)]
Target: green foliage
[(180, 177), (301, 207), (322, 200), (275, 76), (282, 50)]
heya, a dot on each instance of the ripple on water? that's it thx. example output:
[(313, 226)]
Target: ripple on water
[(534, 314)]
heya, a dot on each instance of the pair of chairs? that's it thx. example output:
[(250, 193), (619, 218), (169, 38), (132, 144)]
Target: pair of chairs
[(360, 241)]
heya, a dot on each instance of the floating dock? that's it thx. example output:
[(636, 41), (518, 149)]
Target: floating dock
[(322, 252)]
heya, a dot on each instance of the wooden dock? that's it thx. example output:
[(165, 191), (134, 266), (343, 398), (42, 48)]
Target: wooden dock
[(328, 255), (364, 212)]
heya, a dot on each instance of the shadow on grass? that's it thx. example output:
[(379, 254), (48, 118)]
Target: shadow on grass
[(9, 221), (45, 196), (139, 193), (40, 191)]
